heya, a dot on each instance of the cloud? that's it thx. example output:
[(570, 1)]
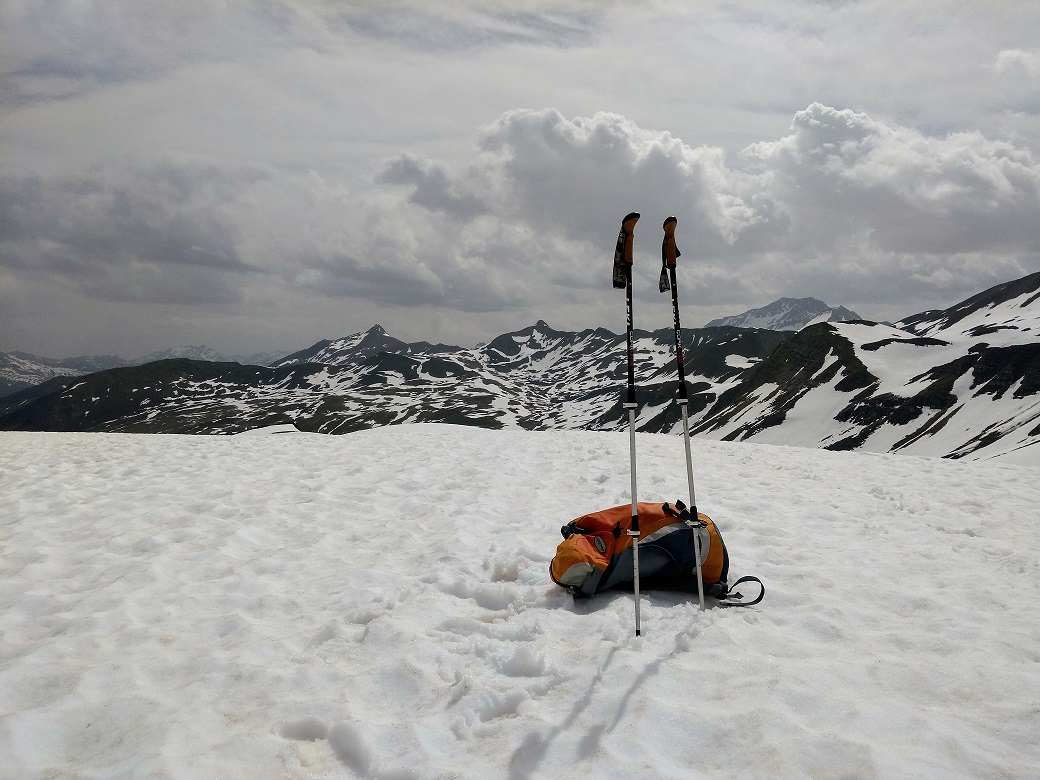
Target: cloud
[(1018, 62), (577, 175), (841, 206), (433, 187), (147, 234), (1018, 80), (62, 49), (840, 172), (839, 200), (470, 26), (469, 165)]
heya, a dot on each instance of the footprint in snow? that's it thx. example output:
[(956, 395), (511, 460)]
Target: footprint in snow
[(347, 743)]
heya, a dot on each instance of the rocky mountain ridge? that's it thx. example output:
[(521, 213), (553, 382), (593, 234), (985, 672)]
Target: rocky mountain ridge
[(961, 382)]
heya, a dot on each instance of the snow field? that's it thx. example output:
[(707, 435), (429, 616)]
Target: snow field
[(377, 605)]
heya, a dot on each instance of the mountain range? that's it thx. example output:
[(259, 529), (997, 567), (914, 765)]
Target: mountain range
[(958, 382), (19, 370)]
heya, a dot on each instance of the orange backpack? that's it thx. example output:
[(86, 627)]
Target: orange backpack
[(596, 552)]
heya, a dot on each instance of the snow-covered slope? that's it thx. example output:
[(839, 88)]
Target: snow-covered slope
[(962, 382), (787, 314), (877, 388), (1002, 315), (377, 605)]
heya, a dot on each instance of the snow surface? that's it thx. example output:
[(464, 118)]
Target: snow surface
[(377, 605)]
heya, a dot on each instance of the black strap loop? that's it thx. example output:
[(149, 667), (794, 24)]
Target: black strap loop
[(731, 594), (570, 529), (682, 513)]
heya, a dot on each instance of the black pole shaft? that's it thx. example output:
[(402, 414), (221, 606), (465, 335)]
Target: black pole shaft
[(678, 335), (631, 397)]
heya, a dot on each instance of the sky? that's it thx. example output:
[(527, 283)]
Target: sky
[(259, 176)]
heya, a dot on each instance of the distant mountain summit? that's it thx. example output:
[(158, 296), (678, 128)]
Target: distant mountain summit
[(189, 352), (348, 350), (787, 314)]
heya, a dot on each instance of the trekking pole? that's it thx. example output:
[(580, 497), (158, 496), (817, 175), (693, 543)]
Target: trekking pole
[(623, 278), (669, 253)]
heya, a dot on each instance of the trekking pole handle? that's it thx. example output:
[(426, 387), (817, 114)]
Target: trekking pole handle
[(629, 225), (670, 251)]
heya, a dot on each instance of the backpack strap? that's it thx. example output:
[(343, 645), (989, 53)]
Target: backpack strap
[(680, 512), (573, 528), (730, 598)]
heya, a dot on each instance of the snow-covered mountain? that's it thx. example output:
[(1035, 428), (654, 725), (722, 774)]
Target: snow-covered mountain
[(348, 350), (787, 314), (963, 382), (17, 372), (20, 370), (1005, 314)]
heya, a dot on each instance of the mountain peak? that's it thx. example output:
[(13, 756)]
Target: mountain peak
[(787, 314), (348, 349)]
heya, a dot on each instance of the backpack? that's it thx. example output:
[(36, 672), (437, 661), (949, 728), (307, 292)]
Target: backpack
[(596, 553)]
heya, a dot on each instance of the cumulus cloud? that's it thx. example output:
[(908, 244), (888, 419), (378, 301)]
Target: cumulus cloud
[(576, 176), (842, 206), (839, 190), (911, 192), (309, 156)]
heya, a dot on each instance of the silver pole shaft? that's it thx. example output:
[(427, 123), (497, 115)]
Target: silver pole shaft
[(633, 533), (693, 499)]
